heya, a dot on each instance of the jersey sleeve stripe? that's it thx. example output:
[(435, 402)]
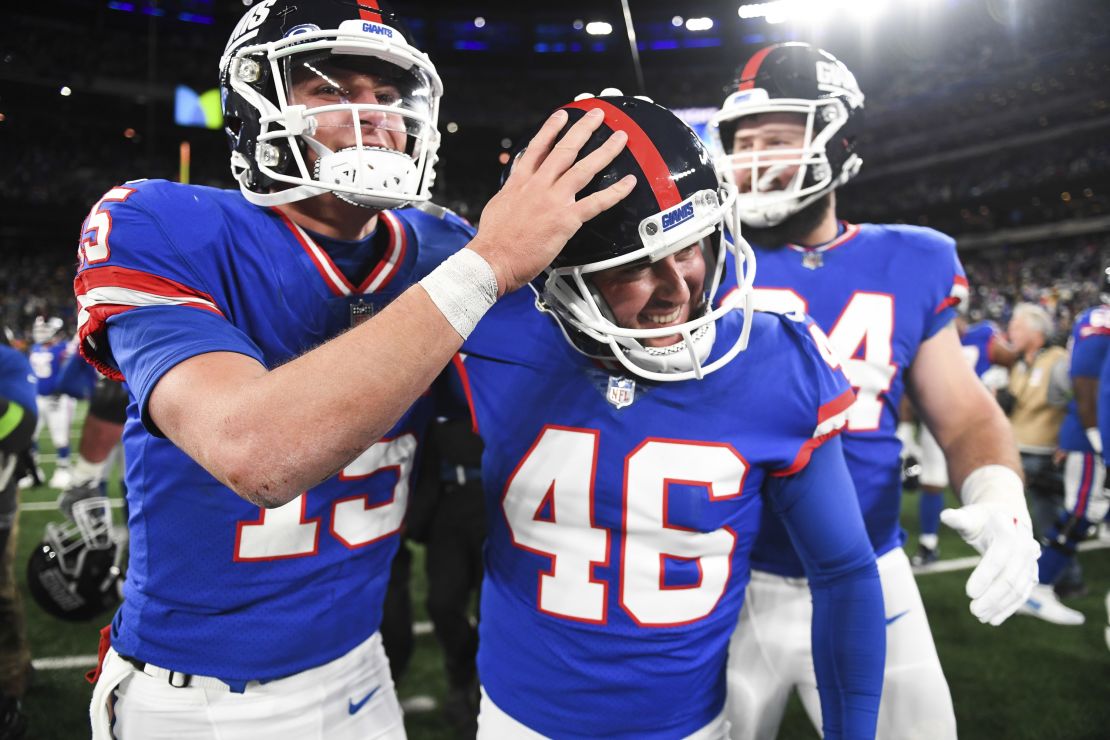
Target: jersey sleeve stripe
[(104, 292), (1090, 331), (959, 294), (806, 452), (831, 418)]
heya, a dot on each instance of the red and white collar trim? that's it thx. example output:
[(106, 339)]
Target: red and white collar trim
[(379, 277), (850, 232)]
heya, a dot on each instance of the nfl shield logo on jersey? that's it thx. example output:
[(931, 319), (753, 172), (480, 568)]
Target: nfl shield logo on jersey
[(622, 392)]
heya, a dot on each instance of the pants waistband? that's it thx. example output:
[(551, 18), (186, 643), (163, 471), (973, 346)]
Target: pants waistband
[(180, 680)]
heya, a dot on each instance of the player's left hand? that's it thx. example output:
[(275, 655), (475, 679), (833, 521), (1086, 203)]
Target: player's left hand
[(1007, 573)]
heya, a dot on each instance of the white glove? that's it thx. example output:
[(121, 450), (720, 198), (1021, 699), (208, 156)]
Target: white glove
[(996, 523)]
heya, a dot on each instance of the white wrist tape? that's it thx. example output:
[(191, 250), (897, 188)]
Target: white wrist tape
[(1094, 436), (998, 485), (463, 288)]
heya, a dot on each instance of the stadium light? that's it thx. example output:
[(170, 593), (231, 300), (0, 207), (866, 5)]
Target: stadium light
[(599, 28), (780, 11), (479, 22), (65, 92), (699, 24), (452, 127), (676, 21)]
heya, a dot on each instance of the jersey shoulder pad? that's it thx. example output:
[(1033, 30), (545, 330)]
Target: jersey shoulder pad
[(438, 236), (918, 237)]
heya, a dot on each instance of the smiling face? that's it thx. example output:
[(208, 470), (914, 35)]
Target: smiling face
[(345, 81), (759, 142), (650, 296)]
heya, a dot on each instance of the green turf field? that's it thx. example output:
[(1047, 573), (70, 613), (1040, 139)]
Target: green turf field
[(1024, 680)]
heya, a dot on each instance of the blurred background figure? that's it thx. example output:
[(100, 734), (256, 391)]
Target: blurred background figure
[(49, 354), (454, 532), (17, 424), (1035, 401)]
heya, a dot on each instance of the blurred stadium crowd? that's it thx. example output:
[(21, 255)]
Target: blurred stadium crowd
[(989, 124)]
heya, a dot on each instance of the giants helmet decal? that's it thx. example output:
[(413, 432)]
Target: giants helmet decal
[(389, 139), (677, 202), (791, 78)]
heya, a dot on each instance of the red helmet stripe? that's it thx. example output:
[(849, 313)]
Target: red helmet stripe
[(747, 75), (368, 10), (645, 153)]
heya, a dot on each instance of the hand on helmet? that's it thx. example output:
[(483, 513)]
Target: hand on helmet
[(528, 222)]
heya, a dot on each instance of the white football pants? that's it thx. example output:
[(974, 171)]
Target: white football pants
[(1084, 476), (770, 656), (350, 698), (56, 413), (934, 468)]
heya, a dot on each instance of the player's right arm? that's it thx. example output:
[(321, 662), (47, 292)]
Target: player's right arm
[(1001, 352), (270, 434)]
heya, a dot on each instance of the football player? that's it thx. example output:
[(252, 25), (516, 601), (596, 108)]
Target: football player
[(630, 445), (1085, 500), (17, 426), (272, 427), (49, 353), (885, 295)]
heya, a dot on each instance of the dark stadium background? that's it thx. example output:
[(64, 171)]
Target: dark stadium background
[(987, 119)]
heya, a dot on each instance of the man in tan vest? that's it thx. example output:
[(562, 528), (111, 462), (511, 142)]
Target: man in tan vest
[(1038, 410)]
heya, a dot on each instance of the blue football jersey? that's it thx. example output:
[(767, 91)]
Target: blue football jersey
[(1088, 345), (878, 292), (217, 586), (47, 361), (17, 381), (976, 343), (621, 514)]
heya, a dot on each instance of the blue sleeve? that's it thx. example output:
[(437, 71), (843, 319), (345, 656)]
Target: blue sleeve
[(951, 288), (1087, 355), (131, 257), (821, 512), (1104, 407), (147, 342), (78, 378)]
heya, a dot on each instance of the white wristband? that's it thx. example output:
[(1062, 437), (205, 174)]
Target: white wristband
[(1094, 436), (999, 485), (463, 288)]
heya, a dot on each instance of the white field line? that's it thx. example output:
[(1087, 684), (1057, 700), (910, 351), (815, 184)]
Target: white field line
[(425, 628)]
